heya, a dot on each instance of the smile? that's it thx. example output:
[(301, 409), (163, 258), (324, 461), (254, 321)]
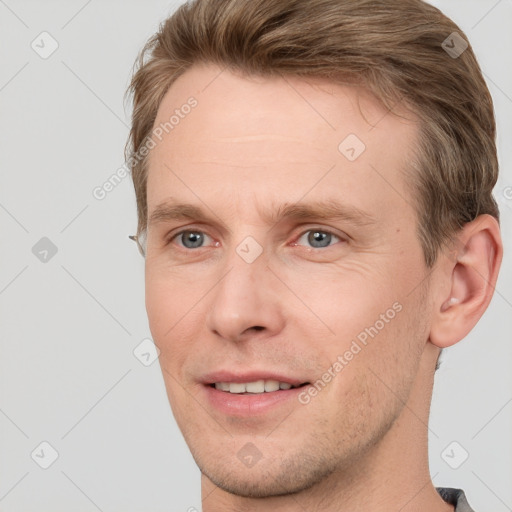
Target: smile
[(255, 387)]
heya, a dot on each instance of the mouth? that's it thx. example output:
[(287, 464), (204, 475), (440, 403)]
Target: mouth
[(252, 394), (256, 387)]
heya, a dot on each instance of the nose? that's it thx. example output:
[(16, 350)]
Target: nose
[(245, 303)]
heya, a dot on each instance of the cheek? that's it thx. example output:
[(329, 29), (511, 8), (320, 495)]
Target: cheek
[(169, 296), (171, 315), (160, 305), (173, 324), (344, 301), (366, 323)]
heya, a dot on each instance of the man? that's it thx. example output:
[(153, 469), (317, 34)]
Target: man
[(314, 189)]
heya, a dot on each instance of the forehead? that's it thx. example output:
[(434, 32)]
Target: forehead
[(281, 137)]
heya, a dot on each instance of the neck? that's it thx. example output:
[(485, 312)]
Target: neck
[(393, 475)]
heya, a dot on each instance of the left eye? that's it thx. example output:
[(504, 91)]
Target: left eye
[(318, 239), (191, 239)]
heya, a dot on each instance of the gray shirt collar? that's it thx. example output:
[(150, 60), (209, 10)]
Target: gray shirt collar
[(455, 497)]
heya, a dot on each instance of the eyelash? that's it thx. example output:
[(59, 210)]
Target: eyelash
[(194, 230)]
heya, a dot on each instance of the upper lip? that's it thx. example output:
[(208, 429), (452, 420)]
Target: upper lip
[(249, 376)]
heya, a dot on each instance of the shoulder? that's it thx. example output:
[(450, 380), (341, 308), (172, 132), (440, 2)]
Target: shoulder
[(455, 497)]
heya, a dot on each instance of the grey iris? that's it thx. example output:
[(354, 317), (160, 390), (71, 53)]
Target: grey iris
[(319, 239), (192, 239)]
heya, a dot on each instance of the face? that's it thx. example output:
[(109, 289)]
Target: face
[(283, 275)]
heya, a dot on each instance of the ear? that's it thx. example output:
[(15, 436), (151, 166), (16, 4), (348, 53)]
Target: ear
[(472, 270)]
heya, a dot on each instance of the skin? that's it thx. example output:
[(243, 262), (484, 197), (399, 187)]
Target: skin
[(251, 145)]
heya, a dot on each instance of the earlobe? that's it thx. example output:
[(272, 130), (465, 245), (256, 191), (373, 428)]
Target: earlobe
[(473, 273)]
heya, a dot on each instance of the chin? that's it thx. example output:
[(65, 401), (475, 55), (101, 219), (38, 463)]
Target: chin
[(282, 478)]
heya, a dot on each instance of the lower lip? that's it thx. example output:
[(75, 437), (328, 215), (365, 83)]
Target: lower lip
[(234, 404)]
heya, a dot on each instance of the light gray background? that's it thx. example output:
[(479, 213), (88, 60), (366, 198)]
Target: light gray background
[(69, 326)]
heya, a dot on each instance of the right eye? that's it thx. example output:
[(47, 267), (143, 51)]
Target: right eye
[(190, 239)]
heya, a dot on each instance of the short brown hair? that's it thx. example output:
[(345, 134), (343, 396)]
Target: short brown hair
[(393, 48)]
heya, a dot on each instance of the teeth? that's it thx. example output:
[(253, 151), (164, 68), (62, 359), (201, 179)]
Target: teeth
[(237, 387), (255, 387), (258, 386), (271, 385)]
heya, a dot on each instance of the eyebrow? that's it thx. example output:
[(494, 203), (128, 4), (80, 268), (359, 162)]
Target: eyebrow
[(330, 209), (323, 210)]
